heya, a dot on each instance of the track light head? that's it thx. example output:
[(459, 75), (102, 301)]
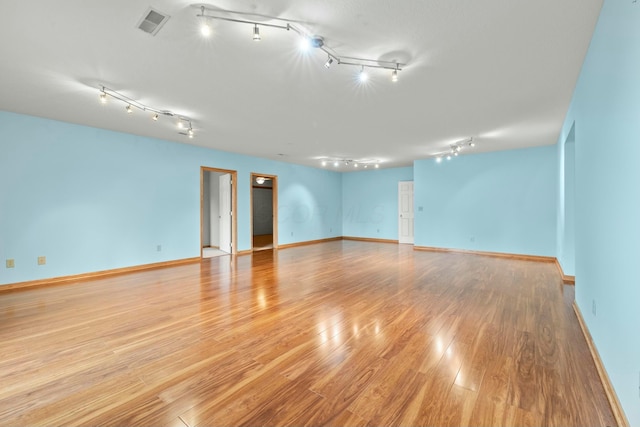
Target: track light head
[(316, 41), (190, 133), (329, 62), (394, 76), (129, 109), (155, 117), (103, 97), (256, 33), (363, 77), (472, 143), (205, 25)]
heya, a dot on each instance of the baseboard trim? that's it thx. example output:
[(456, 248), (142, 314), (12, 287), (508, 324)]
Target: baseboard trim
[(567, 280), (369, 239), (83, 276), (616, 408), (246, 252), (308, 242), (537, 258)]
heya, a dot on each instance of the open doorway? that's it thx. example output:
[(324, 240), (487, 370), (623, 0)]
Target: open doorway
[(218, 228), (264, 211)]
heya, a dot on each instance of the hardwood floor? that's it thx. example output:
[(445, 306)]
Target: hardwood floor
[(338, 333), (262, 242)]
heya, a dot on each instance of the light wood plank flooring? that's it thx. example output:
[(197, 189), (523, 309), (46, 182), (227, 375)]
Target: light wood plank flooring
[(338, 333)]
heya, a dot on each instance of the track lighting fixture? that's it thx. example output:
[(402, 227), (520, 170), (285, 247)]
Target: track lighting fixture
[(184, 122), (307, 41), (455, 149), (364, 163)]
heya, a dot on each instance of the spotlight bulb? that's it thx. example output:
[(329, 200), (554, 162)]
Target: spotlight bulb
[(103, 97), (394, 76), (305, 44), (205, 29), (324, 163), (472, 144), (377, 166), (155, 117), (256, 34), (363, 77), (129, 109), (190, 133), (336, 164), (438, 159), (448, 157)]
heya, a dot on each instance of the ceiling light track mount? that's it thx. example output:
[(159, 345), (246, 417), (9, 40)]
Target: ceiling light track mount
[(184, 123), (314, 41)]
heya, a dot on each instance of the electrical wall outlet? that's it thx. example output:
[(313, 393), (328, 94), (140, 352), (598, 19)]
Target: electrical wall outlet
[(11, 263), (42, 260)]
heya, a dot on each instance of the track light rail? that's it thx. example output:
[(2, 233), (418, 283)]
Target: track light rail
[(315, 41)]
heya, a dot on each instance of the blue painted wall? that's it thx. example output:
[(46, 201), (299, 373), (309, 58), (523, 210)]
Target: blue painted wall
[(606, 112), (90, 199), (497, 202), (370, 202)]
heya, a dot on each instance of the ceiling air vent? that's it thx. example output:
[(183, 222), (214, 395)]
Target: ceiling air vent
[(152, 21)]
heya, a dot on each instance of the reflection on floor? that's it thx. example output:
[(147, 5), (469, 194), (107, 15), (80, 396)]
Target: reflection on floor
[(262, 242), (212, 252)]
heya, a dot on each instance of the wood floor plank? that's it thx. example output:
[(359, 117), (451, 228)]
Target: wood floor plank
[(336, 333)]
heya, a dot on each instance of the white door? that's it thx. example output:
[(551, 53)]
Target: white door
[(225, 212), (405, 208)]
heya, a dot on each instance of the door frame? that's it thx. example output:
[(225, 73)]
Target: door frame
[(234, 205), (274, 205)]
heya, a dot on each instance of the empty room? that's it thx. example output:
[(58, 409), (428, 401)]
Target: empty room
[(335, 213)]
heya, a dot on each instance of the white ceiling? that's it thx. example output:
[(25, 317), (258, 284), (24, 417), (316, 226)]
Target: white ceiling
[(501, 71)]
